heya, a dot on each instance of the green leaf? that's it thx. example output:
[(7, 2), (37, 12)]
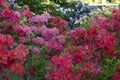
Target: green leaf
[(43, 49)]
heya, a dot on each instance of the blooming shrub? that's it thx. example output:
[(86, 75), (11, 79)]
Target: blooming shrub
[(74, 12), (84, 55), (117, 74), (11, 59), (42, 47), (110, 23), (59, 23)]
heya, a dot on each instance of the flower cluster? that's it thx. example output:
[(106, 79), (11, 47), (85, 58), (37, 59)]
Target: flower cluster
[(27, 13), (3, 4), (59, 23), (40, 18), (62, 68), (116, 21), (11, 59), (72, 54), (117, 74), (86, 52), (38, 40), (50, 33), (10, 16)]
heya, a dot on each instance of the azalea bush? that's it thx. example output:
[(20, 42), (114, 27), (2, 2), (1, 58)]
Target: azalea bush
[(35, 32), (86, 20), (42, 46), (110, 23)]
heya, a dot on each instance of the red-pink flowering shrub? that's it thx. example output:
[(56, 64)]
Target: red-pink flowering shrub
[(86, 52), (108, 24), (59, 23), (27, 13), (73, 54), (62, 68), (115, 21), (55, 46), (38, 40), (50, 33), (40, 18), (111, 23), (11, 16), (35, 33), (11, 59), (117, 74), (3, 4)]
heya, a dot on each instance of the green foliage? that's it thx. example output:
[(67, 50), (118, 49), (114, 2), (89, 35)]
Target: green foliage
[(109, 68), (12, 76), (61, 2), (38, 6), (40, 63), (115, 1)]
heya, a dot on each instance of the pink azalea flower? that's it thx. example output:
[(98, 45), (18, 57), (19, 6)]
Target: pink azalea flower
[(35, 51), (38, 40), (34, 29), (24, 39), (50, 33), (42, 28), (61, 39)]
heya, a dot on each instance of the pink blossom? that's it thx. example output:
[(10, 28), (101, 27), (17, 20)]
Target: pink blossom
[(6, 40), (27, 30), (102, 33), (27, 13), (53, 44), (62, 68), (42, 28), (61, 23), (19, 29), (40, 18), (13, 16), (34, 29), (0, 1), (61, 39), (23, 30), (38, 40), (116, 75), (91, 68), (49, 33), (77, 34), (46, 17), (36, 50), (24, 39)]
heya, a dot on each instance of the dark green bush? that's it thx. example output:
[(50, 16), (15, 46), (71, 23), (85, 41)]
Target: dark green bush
[(61, 2), (38, 6)]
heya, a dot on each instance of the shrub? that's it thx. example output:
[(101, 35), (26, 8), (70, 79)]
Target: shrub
[(74, 11), (38, 6), (53, 51)]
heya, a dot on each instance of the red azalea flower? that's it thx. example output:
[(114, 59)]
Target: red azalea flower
[(17, 68), (59, 22), (6, 78), (31, 71), (117, 76), (27, 13)]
